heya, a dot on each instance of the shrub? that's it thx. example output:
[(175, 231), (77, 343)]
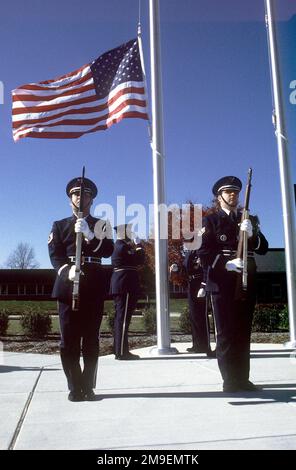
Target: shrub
[(268, 317), (149, 320), (4, 320), (36, 323), (284, 318), (110, 320), (184, 321)]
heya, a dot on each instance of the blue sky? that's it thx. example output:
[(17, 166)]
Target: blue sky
[(217, 109)]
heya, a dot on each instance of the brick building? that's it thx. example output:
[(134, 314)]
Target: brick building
[(36, 284)]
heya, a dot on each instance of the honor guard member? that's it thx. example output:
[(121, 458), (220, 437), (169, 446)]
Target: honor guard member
[(80, 329), (233, 313), (125, 286), (197, 305)]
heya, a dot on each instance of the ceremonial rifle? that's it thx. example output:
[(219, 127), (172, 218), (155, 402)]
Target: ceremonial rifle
[(242, 248), (76, 282)]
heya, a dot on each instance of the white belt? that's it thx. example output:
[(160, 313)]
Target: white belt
[(125, 268), (233, 253), (86, 259)]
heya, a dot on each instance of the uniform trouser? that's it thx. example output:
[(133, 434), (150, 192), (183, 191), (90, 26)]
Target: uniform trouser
[(233, 319), (125, 305), (198, 321), (233, 312), (80, 333)]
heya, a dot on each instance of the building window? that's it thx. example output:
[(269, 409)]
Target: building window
[(47, 289), (12, 289), (39, 289), (30, 289), (3, 289), (21, 289), (276, 291), (261, 291)]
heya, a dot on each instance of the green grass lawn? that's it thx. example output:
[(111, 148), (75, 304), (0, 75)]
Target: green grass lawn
[(177, 305), (16, 307), (136, 326)]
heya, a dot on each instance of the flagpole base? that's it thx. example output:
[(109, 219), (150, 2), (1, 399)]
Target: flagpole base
[(155, 351), (290, 344)]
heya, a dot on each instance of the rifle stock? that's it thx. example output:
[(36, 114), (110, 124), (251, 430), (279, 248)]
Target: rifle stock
[(76, 282)]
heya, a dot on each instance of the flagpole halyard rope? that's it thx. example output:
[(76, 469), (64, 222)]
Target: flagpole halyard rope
[(156, 151), (274, 117), (139, 16), (144, 75)]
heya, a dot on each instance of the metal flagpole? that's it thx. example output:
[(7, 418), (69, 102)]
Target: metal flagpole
[(285, 172), (161, 245)]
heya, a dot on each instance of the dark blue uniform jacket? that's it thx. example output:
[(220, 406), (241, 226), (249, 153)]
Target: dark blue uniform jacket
[(220, 239), (62, 245), (192, 265), (125, 259)]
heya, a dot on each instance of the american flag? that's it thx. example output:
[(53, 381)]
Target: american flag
[(89, 99)]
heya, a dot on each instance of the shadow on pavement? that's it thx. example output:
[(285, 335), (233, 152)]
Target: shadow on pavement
[(4, 369), (175, 357), (281, 393)]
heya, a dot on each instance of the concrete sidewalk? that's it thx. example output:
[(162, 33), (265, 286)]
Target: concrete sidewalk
[(168, 402)]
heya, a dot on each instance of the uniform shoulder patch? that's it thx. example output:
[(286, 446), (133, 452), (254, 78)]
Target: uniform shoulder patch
[(50, 238)]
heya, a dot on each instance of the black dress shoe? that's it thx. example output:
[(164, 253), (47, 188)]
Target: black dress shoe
[(75, 396), (191, 350), (89, 395), (211, 353), (248, 386), (231, 387), (127, 357), (196, 349)]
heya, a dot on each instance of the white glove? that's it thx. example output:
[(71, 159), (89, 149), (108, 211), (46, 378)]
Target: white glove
[(201, 292), (72, 273), (235, 265), (81, 226), (246, 226), (174, 268), (137, 240)]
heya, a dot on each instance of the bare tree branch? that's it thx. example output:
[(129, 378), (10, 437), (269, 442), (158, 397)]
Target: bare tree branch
[(23, 257)]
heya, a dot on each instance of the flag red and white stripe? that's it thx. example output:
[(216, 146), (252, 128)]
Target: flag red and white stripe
[(89, 99)]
